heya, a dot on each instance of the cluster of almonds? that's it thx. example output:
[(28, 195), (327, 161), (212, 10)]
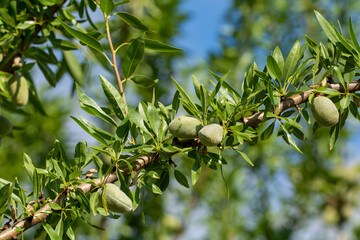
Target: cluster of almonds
[(187, 127)]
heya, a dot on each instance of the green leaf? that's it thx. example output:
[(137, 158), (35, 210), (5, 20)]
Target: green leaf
[(4, 197), (63, 44), (107, 6), (353, 37), (159, 46), (292, 122), (334, 134), (291, 60), (6, 18), (153, 118), (51, 232), (90, 106), (193, 108), (196, 84), (81, 151), (278, 57), (75, 174), (273, 68), (180, 177), (205, 102), (155, 189), (144, 81), (132, 21), (137, 119), (245, 157), (218, 85), (55, 206), (113, 95), (195, 171), (74, 66), (175, 102), (49, 2), (85, 38), (36, 185), (339, 76), (70, 233), (94, 202), (29, 167), (328, 29), (132, 56), (48, 73), (60, 226), (354, 110), (344, 102), (289, 138)]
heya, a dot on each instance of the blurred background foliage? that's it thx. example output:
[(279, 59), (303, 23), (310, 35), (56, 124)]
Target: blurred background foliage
[(284, 196)]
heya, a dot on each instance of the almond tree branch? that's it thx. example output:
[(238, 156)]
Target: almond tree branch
[(295, 100), (86, 188), (144, 161)]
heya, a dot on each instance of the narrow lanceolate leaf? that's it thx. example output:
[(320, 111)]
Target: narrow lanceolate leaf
[(353, 37), (87, 39), (159, 46), (289, 138), (63, 44), (90, 131), (48, 73), (90, 106), (74, 66), (4, 197), (180, 177), (273, 67), (113, 95), (133, 55), (193, 109), (328, 29), (29, 167), (132, 21), (278, 57), (334, 134), (107, 6), (195, 171), (51, 232), (291, 60), (245, 157), (6, 18), (144, 81)]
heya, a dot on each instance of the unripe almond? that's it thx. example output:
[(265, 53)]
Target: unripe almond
[(211, 135), (324, 111), (5, 125), (19, 91), (116, 200), (189, 129)]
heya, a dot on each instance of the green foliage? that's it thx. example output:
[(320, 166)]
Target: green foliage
[(143, 141)]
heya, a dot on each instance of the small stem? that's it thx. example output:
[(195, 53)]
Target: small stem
[(113, 53)]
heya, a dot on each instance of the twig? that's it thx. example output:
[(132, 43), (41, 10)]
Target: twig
[(113, 53)]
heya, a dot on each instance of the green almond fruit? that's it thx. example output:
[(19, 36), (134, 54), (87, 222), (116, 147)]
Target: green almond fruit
[(117, 201), (5, 125), (189, 127), (211, 135), (324, 111), (19, 90)]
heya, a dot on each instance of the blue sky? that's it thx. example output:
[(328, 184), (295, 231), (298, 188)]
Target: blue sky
[(199, 34)]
